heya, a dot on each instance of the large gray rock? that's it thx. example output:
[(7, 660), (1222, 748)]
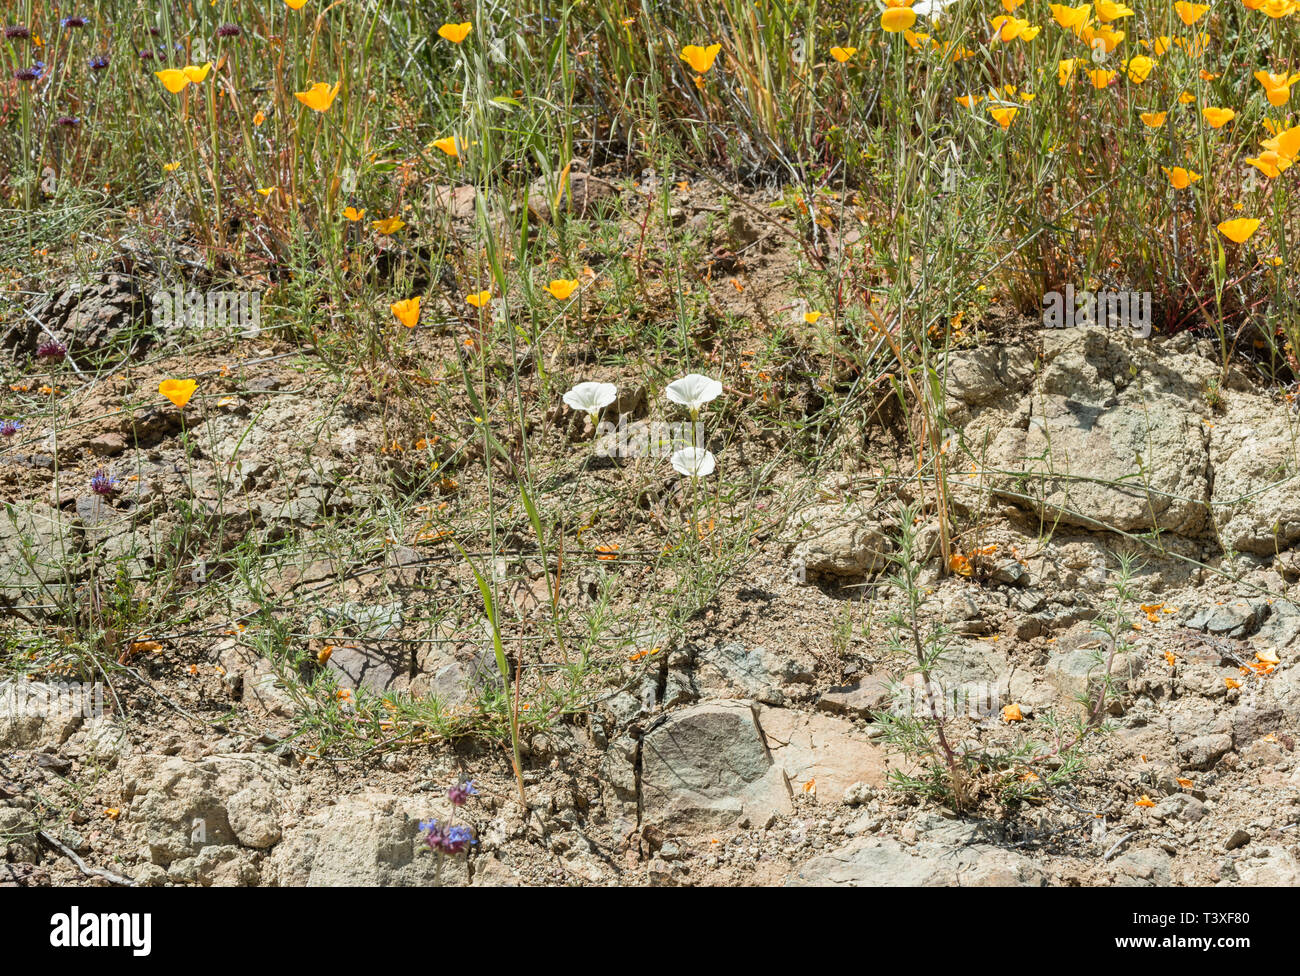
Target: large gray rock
[(1144, 867), (180, 807), (35, 714), (372, 839), (1256, 491), (838, 542), (39, 549), (1234, 618), (1079, 672), (1127, 466), (716, 764), (883, 863), (1113, 436), (707, 767), (987, 375), (1263, 867), (733, 669)]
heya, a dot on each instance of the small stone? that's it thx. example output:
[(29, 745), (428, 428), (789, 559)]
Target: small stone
[(1203, 751), (1238, 838), (107, 445), (1179, 806), (860, 699), (1236, 618), (859, 793)]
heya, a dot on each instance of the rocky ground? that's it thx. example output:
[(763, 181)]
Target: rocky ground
[(741, 751)]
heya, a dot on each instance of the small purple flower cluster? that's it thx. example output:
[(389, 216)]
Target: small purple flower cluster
[(462, 791), (9, 427), (103, 483), (451, 838), (51, 349)]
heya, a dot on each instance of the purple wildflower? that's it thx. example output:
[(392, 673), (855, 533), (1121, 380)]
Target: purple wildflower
[(68, 121), (102, 483), (448, 840), (74, 22), (99, 62), (31, 74), (229, 30), (457, 839), (52, 350), (9, 427), (19, 32), (146, 55), (461, 792)]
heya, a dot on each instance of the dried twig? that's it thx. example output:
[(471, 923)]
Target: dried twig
[(82, 865)]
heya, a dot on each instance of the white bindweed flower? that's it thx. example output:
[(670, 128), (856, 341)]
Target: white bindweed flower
[(931, 9), (591, 398), (694, 462), (693, 391)]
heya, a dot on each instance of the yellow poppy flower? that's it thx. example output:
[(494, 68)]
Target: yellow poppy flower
[(1285, 143), (1003, 116), (1110, 39), (479, 298), (1239, 230), (1186, 98), (1065, 70), (895, 20), (811, 317), (197, 75), (1217, 118), (1108, 10), (1190, 13), (842, 54), (562, 288), (265, 191), (1277, 87), (1008, 28), (447, 145), (455, 32), (171, 167), (1270, 163), (700, 58), (1277, 9), (1139, 68), (407, 311), (1153, 119), (320, 96), (173, 79), (1071, 17), (389, 225), (295, 4), (1179, 178), (1101, 78), (259, 118), (353, 214), (178, 391)]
